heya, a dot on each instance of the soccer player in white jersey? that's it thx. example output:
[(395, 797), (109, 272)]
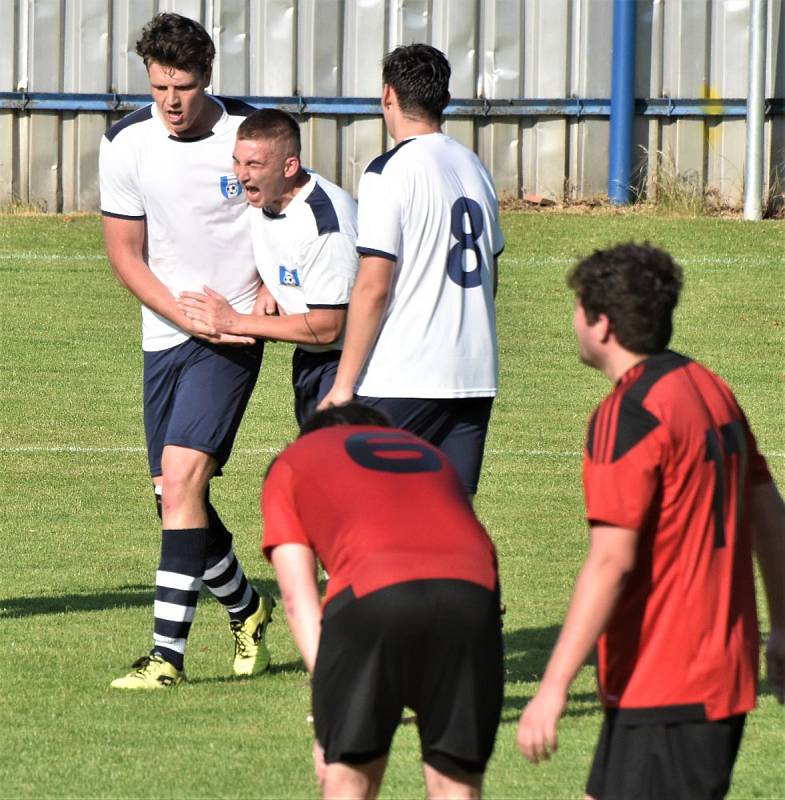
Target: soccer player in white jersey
[(304, 230), (172, 217), (421, 328)]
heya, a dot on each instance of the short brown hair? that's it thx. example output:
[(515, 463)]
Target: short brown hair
[(272, 123)]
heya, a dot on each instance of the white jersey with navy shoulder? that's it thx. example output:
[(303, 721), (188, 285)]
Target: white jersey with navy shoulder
[(306, 254), (193, 205), (431, 207)]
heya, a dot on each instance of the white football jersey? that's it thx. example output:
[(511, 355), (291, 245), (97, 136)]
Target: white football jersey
[(430, 205), (193, 205), (306, 254)]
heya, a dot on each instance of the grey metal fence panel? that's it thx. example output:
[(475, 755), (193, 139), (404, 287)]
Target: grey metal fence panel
[(499, 50)]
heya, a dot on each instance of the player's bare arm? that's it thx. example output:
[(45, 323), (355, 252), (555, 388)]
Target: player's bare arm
[(124, 240), (768, 530), (212, 311), (368, 302), (295, 569), (610, 559)]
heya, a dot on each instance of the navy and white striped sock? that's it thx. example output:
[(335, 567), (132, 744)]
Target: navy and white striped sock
[(223, 575), (177, 584)]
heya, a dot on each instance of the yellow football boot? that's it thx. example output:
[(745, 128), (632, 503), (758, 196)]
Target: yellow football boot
[(251, 656), (150, 672)]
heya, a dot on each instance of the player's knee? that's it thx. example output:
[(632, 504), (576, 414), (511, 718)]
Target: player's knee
[(157, 491)]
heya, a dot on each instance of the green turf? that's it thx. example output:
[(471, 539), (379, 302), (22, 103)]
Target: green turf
[(79, 541)]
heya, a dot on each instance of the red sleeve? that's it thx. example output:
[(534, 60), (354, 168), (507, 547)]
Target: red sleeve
[(620, 492), (282, 524)]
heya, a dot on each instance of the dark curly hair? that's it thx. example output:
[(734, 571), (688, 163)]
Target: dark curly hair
[(637, 287), (179, 42), (353, 413), (420, 75)]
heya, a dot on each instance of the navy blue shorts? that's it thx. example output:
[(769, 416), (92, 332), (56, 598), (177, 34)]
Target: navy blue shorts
[(457, 426), (434, 646), (313, 375), (195, 395)]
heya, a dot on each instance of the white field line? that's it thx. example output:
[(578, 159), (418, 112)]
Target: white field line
[(255, 451), (29, 255)]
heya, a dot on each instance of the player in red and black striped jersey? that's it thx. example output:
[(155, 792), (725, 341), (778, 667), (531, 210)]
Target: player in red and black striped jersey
[(677, 495)]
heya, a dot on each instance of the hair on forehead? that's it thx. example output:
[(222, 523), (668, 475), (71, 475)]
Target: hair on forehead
[(272, 123), (172, 40)]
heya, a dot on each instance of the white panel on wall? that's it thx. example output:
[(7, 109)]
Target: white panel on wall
[(499, 49), (273, 48)]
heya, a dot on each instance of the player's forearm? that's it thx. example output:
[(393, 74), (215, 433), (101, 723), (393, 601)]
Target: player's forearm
[(137, 277), (310, 328), (304, 616), (768, 530), (367, 306)]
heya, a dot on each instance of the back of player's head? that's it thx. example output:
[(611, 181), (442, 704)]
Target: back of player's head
[(637, 287), (353, 413), (420, 76), (172, 40), (272, 123)]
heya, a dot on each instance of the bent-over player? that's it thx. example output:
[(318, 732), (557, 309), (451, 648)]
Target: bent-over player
[(411, 615)]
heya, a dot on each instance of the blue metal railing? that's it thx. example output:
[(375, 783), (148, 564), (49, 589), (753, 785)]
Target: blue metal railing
[(368, 106)]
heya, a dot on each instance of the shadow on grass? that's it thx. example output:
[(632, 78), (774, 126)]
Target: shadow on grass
[(527, 651), (130, 596)]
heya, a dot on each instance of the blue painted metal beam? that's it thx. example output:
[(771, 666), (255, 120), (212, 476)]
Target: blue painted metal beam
[(367, 106), (622, 102)]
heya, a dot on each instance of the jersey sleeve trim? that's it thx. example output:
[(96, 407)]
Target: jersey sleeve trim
[(323, 211), (140, 115), (337, 306), (380, 162), (369, 251), (121, 216), (235, 107)]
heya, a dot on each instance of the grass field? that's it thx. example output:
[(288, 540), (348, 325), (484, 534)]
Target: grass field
[(79, 530)]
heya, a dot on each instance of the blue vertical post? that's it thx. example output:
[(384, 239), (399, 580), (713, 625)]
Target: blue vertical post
[(622, 101)]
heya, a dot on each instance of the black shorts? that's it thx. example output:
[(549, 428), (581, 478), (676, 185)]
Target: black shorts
[(313, 375), (432, 645), (457, 426), (673, 760), (195, 395)]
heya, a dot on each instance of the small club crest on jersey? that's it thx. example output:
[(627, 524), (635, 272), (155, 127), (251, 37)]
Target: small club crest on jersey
[(230, 187), (288, 277)]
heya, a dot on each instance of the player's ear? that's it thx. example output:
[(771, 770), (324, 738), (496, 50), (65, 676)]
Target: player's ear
[(388, 95), (606, 328), (291, 166)]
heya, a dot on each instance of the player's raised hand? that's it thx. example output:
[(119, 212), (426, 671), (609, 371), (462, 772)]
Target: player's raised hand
[(537, 726)]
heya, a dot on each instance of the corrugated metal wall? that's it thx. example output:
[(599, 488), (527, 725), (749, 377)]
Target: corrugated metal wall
[(329, 48)]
